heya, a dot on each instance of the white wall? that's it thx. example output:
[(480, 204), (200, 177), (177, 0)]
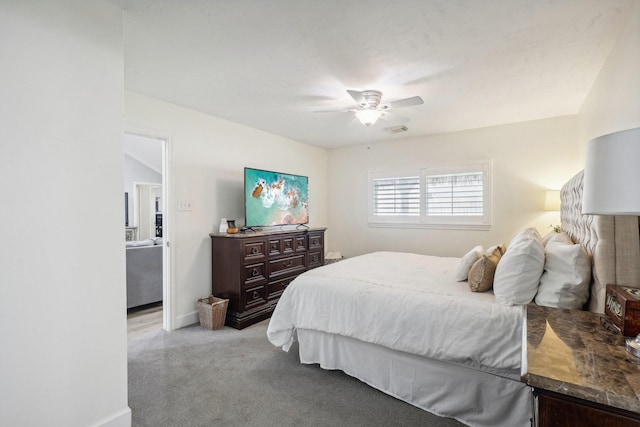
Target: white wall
[(528, 158), (613, 103), (62, 286), (208, 159)]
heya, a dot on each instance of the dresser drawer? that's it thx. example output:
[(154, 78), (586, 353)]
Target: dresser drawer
[(316, 241), (255, 296), (315, 259), (254, 274), (254, 250), (301, 243), (277, 287), (286, 266), (275, 246)]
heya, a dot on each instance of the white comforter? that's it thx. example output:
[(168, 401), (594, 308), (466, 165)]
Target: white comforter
[(406, 302)]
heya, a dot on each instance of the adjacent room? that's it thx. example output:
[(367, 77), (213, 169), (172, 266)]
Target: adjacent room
[(413, 210)]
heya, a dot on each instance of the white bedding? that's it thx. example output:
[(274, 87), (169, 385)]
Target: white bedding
[(406, 302)]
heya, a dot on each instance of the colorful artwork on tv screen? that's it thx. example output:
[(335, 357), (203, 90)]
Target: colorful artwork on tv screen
[(273, 198)]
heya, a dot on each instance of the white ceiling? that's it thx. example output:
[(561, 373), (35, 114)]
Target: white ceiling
[(271, 64), (147, 151)]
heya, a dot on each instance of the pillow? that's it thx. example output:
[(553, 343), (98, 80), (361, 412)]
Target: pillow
[(566, 277), (525, 234), (466, 262), (501, 246), (518, 273), (552, 236), (483, 270)]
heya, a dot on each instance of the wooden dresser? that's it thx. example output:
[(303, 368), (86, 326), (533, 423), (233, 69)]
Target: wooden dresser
[(579, 371), (253, 269)]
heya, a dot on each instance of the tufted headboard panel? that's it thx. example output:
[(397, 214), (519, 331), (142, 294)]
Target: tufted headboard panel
[(612, 242)]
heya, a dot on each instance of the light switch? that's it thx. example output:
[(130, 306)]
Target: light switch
[(184, 205)]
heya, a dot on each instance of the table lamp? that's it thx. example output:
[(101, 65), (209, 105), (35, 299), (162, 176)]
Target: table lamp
[(612, 187)]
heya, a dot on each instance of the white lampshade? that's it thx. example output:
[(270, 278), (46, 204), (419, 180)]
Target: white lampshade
[(552, 200), (612, 174), (368, 117)]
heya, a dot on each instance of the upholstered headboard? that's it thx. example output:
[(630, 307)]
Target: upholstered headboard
[(612, 242)]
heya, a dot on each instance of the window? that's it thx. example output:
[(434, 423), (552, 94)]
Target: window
[(450, 197)]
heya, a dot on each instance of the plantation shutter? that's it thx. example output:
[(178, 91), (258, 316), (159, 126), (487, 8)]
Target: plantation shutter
[(396, 196), (459, 194)]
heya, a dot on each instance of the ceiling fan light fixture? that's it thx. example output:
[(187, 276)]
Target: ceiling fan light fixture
[(368, 117)]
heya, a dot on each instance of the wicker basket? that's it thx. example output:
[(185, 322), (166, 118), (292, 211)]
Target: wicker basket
[(213, 312)]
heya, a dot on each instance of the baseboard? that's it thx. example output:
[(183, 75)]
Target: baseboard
[(187, 319), (119, 419)]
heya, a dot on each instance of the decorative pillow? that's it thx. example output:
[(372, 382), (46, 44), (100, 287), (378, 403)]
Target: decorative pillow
[(501, 246), (566, 277), (466, 262), (518, 273), (483, 270)]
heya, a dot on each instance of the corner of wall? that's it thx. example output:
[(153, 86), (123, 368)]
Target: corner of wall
[(613, 104)]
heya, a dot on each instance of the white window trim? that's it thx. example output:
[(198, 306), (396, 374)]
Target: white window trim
[(434, 222)]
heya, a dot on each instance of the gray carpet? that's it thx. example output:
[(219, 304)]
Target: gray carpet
[(198, 377)]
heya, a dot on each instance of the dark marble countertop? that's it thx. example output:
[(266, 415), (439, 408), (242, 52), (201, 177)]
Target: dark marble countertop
[(570, 352)]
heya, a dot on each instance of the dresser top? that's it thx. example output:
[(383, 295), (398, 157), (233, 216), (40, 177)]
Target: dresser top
[(570, 352), (249, 234)]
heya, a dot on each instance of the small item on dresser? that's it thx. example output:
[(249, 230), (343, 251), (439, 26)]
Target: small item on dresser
[(622, 306), (231, 226), (633, 350), (223, 225)]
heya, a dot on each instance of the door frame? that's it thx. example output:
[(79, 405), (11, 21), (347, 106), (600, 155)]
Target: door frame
[(168, 289)]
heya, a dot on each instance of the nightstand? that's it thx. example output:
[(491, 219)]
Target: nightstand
[(578, 370)]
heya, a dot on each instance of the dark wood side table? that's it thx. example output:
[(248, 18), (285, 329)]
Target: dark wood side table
[(578, 370)]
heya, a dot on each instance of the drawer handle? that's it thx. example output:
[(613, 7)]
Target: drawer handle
[(287, 263), (315, 258), (255, 272), (254, 250), (256, 295)]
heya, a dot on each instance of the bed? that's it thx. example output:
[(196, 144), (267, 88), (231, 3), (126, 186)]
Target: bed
[(405, 325)]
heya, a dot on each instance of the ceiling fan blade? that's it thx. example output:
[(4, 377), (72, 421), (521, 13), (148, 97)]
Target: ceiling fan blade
[(335, 111), (357, 96), (401, 103)]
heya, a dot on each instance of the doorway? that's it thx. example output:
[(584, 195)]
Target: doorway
[(147, 193)]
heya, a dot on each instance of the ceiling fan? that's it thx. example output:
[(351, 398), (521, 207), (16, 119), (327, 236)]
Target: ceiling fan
[(370, 109)]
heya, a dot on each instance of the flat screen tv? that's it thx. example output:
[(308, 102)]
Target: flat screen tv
[(275, 198)]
